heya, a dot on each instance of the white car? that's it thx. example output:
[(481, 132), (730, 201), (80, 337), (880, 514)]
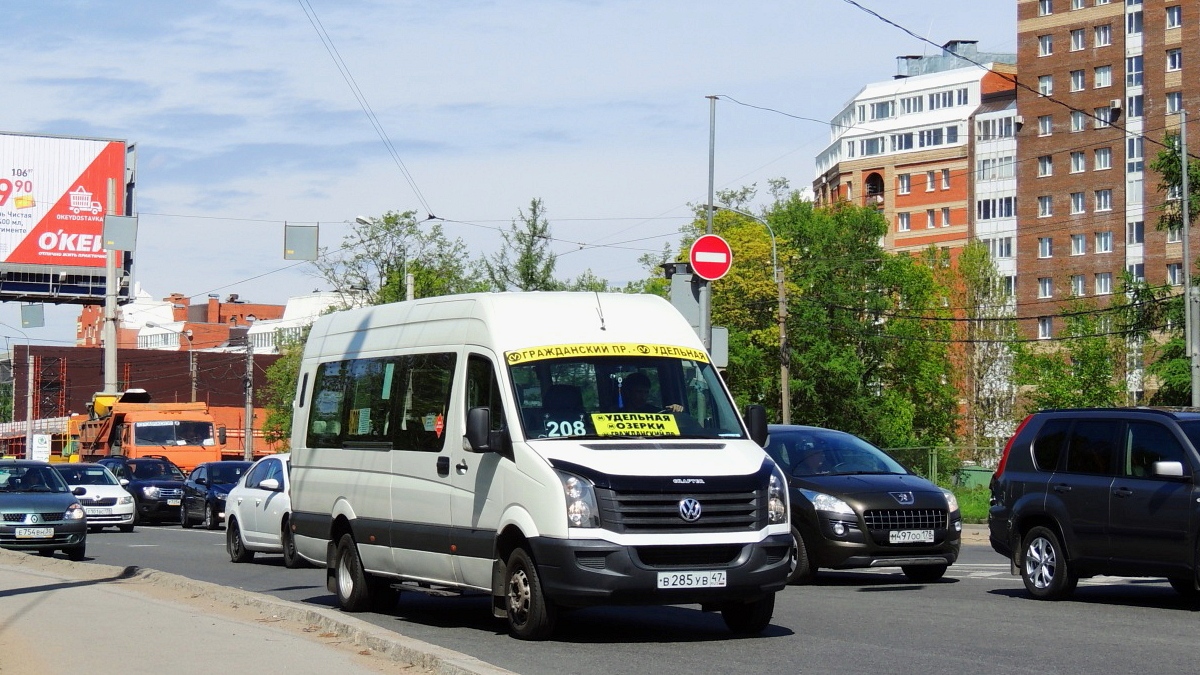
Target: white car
[(258, 510), (103, 498)]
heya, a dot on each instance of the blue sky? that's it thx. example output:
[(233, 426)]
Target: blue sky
[(243, 121)]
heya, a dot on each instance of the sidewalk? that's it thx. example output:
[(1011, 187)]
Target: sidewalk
[(63, 618)]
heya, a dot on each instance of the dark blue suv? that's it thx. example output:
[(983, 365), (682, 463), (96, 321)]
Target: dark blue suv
[(1110, 491)]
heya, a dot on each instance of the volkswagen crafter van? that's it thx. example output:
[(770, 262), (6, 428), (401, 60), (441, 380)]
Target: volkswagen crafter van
[(494, 443)]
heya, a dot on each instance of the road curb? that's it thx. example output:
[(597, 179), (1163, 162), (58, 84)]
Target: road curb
[(383, 643)]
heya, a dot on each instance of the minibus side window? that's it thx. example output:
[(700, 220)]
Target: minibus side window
[(422, 400), (483, 389), (326, 415)]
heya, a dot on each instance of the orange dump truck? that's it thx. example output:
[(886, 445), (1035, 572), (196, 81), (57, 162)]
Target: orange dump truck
[(129, 424)]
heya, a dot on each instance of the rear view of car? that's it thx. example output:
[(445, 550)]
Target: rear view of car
[(853, 506), (103, 498), (38, 512)]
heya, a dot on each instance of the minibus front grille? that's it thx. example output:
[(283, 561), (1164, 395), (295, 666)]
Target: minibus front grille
[(636, 511)]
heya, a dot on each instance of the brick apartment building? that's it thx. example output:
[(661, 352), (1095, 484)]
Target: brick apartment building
[(1105, 85)]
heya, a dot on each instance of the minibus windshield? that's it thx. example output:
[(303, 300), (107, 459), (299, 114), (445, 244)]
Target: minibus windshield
[(620, 391)]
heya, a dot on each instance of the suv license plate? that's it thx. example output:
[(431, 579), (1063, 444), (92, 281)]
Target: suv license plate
[(910, 537), (172, 502), (713, 579), (97, 511), (35, 532)]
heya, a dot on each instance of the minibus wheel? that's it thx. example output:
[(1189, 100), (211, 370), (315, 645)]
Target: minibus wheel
[(530, 616)]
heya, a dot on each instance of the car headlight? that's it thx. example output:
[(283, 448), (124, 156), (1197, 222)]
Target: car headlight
[(777, 499), (74, 512), (151, 491), (581, 501), (127, 499), (827, 503), (951, 500), (222, 496)]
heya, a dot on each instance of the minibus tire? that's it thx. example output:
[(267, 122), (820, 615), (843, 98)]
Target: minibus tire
[(530, 616), (353, 593)]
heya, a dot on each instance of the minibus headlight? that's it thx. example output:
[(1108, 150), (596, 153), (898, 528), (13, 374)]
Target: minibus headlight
[(777, 499), (581, 501)]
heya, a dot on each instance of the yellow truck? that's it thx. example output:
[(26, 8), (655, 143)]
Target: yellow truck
[(129, 425)]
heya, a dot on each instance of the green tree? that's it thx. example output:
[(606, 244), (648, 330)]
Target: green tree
[(1084, 368), (280, 392), (524, 261)]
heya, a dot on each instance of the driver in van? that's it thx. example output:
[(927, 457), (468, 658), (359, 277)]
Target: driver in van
[(635, 395)]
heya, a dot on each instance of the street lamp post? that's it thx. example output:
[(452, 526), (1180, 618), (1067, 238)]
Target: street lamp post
[(28, 388), (785, 393), (191, 356), (408, 279)]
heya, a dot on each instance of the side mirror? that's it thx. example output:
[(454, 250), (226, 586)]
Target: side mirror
[(201, 481), (79, 491), (479, 425), (756, 423), (1168, 469), (221, 435), (271, 484), (124, 482)]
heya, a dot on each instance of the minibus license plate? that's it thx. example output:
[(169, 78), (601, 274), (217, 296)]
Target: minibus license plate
[(712, 579), (35, 532), (910, 537)]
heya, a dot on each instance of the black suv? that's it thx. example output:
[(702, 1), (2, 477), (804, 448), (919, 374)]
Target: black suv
[(1099, 491), (155, 483)]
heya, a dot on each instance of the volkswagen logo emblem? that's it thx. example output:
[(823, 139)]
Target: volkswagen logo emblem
[(689, 509), (905, 498)]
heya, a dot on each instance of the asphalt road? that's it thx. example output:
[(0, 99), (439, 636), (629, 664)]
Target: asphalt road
[(977, 619)]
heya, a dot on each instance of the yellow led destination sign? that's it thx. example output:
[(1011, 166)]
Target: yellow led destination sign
[(605, 349), (637, 424)]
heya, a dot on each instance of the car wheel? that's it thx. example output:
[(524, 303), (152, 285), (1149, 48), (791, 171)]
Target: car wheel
[(349, 577), (211, 521), (185, 521), (1044, 567), (1186, 587), (76, 553), (125, 528), (803, 567), (924, 574), (234, 545), (530, 615), (137, 512), (291, 559), (749, 618)]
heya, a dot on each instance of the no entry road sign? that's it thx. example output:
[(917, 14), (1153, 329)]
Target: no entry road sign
[(711, 257)]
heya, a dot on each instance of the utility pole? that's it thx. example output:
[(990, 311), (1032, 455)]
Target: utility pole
[(29, 404), (109, 336), (248, 442), (1191, 334), (705, 286)]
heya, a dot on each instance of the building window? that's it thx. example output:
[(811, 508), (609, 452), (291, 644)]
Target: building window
[(1045, 324), (1174, 234), (1077, 80), (1135, 232), (1000, 247), (1104, 283), (1008, 285), (1174, 102), (1077, 205), (902, 141), (987, 209), (1133, 71), (1046, 85), (941, 99), (1174, 59), (1078, 120), (1045, 125), (1078, 244), (1077, 286), (963, 96), (1134, 106), (996, 127), (929, 219), (1077, 40), (993, 168), (1046, 166), (904, 183), (1076, 4), (945, 179), (945, 216), (903, 222), (1045, 7), (1045, 45), (1045, 206), (929, 178), (1137, 271), (1104, 200), (1045, 247), (1103, 35), (1045, 287), (1174, 17), (1104, 242), (1134, 147), (1175, 274), (1103, 117), (912, 104), (1078, 162), (1103, 158), (1133, 23), (1103, 76)]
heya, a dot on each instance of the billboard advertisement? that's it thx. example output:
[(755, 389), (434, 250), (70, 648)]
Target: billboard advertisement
[(54, 194)]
